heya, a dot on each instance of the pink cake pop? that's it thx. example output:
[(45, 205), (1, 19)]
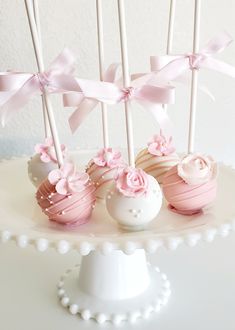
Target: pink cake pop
[(103, 168), (158, 158), (191, 185), (67, 196)]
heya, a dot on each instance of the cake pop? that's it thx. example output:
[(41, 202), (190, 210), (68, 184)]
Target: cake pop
[(134, 199), (103, 168), (191, 185), (67, 196), (158, 157), (43, 162)]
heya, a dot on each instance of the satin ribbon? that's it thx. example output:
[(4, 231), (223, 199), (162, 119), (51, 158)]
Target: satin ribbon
[(17, 88), (110, 92), (173, 67)]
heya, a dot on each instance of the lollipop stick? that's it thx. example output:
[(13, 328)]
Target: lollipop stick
[(126, 81), (37, 21), (39, 59), (171, 22), (100, 35), (194, 81), (170, 32)]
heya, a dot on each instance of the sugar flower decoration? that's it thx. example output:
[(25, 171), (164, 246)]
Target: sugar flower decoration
[(47, 151), (132, 182), (67, 181), (108, 157), (160, 145), (197, 169)]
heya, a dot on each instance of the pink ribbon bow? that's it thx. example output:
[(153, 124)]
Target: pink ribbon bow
[(84, 103), (16, 88), (150, 96), (172, 67)]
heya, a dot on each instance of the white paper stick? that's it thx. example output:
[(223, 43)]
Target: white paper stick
[(126, 81), (100, 35), (194, 82), (38, 24), (171, 21), (39, 58), (170, 32)]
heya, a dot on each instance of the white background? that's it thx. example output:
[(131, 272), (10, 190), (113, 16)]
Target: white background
[(202, 277), (72, 23)]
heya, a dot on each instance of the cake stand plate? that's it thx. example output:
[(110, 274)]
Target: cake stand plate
[(115, 282)]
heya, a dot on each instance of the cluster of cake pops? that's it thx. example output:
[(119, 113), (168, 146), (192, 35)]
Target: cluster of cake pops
[(132, 190)]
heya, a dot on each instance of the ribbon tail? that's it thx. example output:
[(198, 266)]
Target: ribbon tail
[(171, 71), (217, 65), (185, 80), (217, 44), (72, 99), (102, 91), (64, 63), (157, 63), (205, 90), (111, 73), (160, 116), (78, 116), (18, 100)]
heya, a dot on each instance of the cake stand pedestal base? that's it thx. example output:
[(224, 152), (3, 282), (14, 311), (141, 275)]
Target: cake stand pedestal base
[(115, 287)]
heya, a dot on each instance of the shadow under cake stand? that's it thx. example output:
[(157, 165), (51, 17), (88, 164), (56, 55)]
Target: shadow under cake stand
[(114, 281)]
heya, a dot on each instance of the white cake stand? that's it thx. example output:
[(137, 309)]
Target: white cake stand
[(115, 282)]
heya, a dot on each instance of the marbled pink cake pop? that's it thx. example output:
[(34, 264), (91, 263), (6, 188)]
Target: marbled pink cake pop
[(191, 185), (67, 197), (158, 157), (103, 168)]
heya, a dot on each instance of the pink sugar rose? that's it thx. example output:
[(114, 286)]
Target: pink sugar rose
[(160, 145), (132, 182), (197, 169), (108, 157), (66, 180), (47, 151)]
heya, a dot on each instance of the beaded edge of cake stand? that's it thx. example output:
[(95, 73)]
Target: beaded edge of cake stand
[(116, 319)]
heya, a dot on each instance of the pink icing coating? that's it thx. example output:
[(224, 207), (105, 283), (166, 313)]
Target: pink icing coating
[(160, 145), (132, 182), (66, 209), (184, 198), (67, 180), (108, 157), (47, 151)]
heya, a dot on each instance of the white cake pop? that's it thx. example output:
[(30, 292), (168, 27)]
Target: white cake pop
[(134, 199), (158, 158), (43, 162), (103, 168)]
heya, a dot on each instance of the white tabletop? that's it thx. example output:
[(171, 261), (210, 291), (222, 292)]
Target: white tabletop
[(202, 278)]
